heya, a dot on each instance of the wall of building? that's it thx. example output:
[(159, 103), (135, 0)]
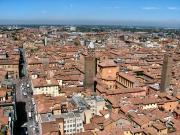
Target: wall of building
[(121, 81), (61, 128), (110, 84), (170, 106), (11, 68), (139, 94), (108, 72), (52, 90), (100, 106), (162, 132), (73, 125), (88, 116)]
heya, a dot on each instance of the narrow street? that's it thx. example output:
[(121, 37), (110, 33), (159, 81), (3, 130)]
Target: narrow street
[(25, 123)]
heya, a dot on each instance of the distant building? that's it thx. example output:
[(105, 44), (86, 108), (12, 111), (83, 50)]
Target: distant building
[(52, 126), (108, 70), (66, 123), (72, 28), (73, 123), (166, 73), (10, 63), (45, 86), (96, 104), (126, 80), (45, 41), (90, 106)]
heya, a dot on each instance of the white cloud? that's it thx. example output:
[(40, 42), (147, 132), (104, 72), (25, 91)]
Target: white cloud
[(150, 8), (173, 8)]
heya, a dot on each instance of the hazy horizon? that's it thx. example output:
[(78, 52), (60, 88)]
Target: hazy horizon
[(91, 22)]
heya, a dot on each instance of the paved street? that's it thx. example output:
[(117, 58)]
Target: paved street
[(25, 108), (26, 101)]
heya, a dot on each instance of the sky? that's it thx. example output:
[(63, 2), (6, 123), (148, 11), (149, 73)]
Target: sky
[(137, 12)]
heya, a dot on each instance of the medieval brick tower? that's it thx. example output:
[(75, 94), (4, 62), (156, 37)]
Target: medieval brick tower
[(90, 66), (166, 73)]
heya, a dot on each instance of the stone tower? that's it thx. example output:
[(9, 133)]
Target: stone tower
[(166, 73), (90, 66)]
